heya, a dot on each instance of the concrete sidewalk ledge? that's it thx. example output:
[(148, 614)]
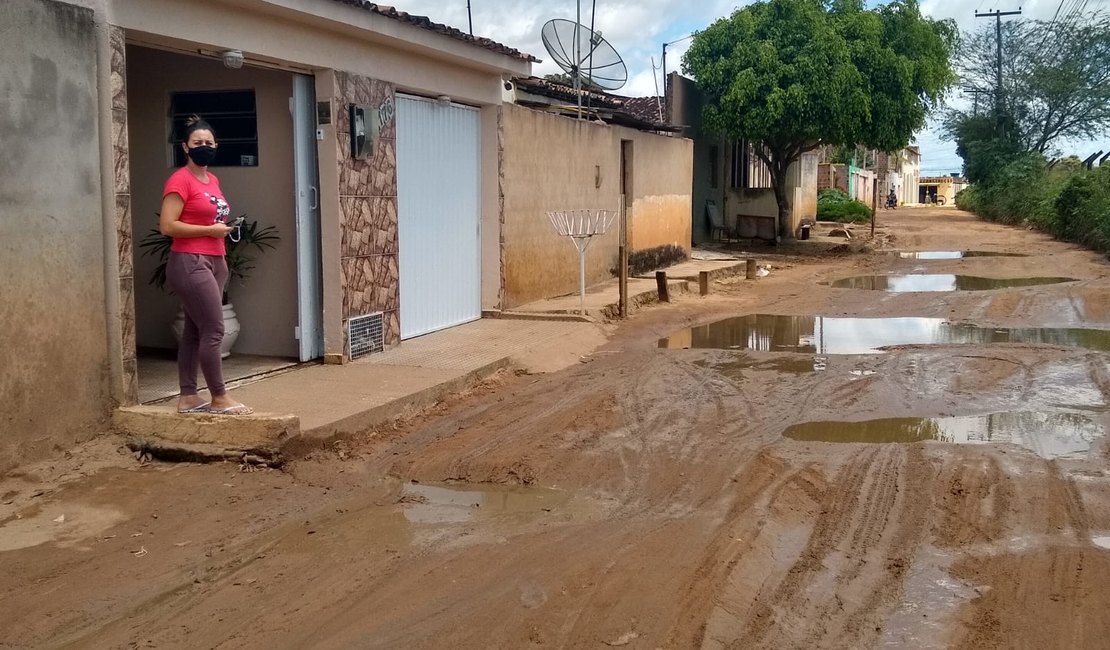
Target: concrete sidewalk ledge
[(679, 272), (644, 298), (407, 406), (561, 317), (263, 434)]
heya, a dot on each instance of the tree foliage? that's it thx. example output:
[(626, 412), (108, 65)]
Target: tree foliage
[(794, 74), (1055, 80)]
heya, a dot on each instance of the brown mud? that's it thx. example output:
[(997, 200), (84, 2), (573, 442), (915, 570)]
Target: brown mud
[(646, 498)]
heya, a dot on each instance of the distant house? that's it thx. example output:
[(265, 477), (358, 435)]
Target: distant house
[(884, 171), (940, 190), (730, 182), (900, 171)]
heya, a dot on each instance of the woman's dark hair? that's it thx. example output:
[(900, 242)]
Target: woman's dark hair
[(195, 123)]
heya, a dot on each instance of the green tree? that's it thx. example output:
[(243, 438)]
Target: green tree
[(795, 74), (1056, 80)]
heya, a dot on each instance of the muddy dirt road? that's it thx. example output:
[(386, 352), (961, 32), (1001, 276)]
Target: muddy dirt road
[(764, 483)]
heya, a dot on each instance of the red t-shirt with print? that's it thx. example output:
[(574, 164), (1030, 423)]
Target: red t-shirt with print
[(204, 205)]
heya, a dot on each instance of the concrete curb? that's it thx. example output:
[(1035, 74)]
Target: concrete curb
[(264, 433), (563, 317), (273, 438), (644, 298), (319, 437)]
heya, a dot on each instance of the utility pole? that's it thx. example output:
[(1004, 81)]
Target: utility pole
[(999, 95), (469, 17)]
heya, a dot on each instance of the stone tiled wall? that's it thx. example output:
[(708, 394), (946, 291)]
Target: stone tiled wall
[(368, 208), (123, 213)]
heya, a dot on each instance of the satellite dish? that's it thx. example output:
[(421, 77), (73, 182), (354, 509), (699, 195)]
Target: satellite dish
[(584, 54)]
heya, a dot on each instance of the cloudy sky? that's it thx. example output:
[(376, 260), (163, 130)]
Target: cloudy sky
[(638, 29)]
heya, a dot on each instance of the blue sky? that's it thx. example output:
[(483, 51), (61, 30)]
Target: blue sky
[(638, 28)]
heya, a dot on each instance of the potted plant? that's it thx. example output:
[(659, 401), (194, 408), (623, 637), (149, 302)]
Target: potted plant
[(241, 256)]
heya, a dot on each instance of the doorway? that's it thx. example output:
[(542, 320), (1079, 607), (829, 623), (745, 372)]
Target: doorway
[(268, 173)]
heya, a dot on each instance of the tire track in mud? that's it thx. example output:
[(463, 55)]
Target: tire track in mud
[(762, 482), (974, 503), (854, 563)]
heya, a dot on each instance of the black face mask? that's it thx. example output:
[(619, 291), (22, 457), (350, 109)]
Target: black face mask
[(202, 156)]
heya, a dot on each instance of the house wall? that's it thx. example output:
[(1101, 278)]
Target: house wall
[(662, 181), (53, 326), (684, 108), (266, 302), (556, 163), (801, 183)]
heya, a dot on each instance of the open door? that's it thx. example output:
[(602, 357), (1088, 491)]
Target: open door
[(310, 301)]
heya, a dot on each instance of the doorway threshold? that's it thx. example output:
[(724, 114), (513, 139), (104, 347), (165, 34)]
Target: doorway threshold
[(158, 372)]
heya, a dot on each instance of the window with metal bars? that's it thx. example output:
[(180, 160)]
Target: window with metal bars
[(233, 116), (747, 170)]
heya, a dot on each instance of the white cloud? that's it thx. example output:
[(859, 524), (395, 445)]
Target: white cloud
[(637, 29)]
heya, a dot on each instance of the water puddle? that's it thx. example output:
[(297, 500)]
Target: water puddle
[(933, 282), (65, 525), (448, 504), (952, 255), (1049, 435), (836, 335), (1101, 541)]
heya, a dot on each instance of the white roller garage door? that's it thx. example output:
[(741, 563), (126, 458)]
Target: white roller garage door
[(438, 215)]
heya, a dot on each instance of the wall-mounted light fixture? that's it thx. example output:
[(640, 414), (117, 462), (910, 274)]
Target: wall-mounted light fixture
[(443, 100), (233, 59)]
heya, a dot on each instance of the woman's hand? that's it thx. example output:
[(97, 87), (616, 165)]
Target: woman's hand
[(170, 224)]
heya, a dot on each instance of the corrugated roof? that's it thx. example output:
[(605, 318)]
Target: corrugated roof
[(424, 22)]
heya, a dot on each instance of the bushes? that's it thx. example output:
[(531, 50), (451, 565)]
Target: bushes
[(1083, 209), (968, 199), (834, 205), (1067, 202)]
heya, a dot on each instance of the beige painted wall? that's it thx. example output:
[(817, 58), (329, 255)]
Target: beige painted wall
[(53, 327), (551, 163), (662, 184), (267, 302)]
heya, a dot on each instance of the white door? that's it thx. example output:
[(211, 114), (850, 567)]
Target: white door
[(310, 309), (437, 215)]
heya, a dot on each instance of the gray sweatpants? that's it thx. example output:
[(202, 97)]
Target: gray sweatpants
[(199, 280)]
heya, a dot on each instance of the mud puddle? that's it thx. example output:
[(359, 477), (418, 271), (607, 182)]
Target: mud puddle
[(838, 335), (951, 255), (936, 282), (451, 504), (1049, 435)]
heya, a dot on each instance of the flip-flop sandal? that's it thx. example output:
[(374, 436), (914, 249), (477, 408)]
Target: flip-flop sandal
[(238, 409), (199, 408)]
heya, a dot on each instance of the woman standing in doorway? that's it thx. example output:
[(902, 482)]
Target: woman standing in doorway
[(195, 214)]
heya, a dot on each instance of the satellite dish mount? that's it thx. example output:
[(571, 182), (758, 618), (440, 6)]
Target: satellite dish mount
[(584, 55)]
